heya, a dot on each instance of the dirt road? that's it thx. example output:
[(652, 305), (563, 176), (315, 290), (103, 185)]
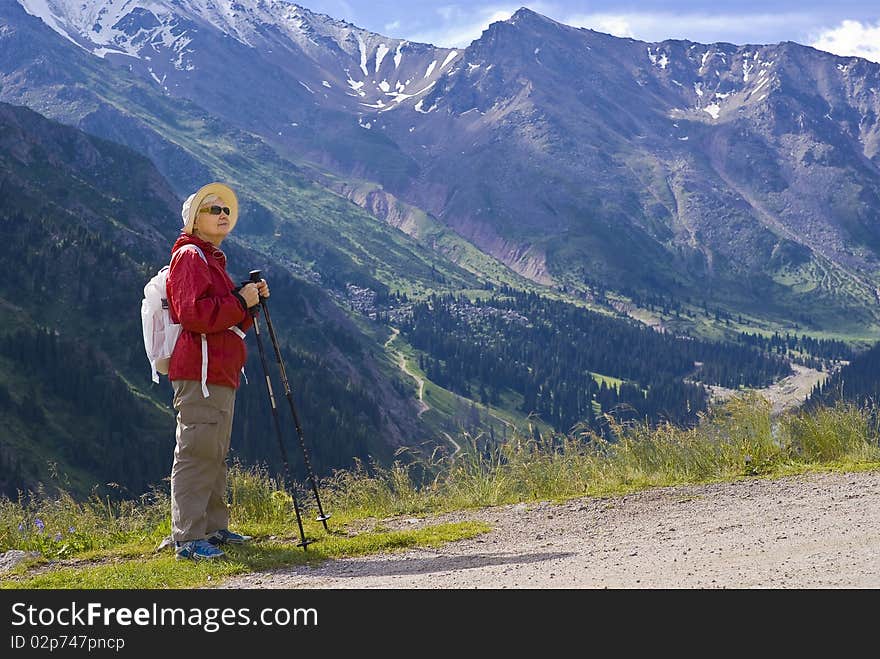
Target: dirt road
[(401, 363), (815, 531), (784, 395)]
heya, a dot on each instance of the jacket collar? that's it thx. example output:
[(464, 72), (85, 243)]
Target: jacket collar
[(208, 249)]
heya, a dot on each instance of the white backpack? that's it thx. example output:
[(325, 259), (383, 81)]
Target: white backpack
[(160, 334)]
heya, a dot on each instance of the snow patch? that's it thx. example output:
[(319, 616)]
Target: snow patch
[(103, 52), (706, 56), (418, 107), (363, 51), (397, 97), (430, 68), (398, 56), (659, 58), (449, 58), (381, 51), (155, 77), (106, 27), (713, 110), (698, 88), (40, 9), (305, 85)]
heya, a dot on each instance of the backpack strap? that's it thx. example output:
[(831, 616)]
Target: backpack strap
[(190, 247), (205, 392)]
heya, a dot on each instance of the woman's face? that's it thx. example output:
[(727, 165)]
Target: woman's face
[(212, 226)]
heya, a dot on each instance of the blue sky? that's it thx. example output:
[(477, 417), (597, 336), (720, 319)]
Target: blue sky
[(844, 27)]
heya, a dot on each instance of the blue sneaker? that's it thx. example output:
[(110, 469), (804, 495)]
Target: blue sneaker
[(198, 550), (225, 536)]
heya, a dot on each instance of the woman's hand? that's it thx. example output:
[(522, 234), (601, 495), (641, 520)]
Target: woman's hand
[(251, 294), (263, 288)]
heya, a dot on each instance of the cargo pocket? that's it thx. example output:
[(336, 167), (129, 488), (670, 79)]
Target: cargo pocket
[(198, 428)]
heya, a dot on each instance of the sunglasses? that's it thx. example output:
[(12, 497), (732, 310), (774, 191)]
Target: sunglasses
[(215, 210)]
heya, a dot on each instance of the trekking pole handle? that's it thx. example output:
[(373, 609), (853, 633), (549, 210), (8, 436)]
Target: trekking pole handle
[(254, 276)]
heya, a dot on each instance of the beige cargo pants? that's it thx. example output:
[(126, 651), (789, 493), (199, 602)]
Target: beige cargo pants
[(198, 475)]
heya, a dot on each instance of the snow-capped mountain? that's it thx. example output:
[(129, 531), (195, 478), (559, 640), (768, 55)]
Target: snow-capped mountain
[(575, 157), (177, 41)]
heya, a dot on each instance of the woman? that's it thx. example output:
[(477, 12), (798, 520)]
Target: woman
[(204, 371)]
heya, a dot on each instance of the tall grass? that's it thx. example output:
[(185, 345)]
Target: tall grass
[(59, 526), (735, 440)]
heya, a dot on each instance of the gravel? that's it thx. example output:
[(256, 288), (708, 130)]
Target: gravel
[(811, 531)]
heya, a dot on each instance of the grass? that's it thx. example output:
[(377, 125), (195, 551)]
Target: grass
[(99, 543), (141, 570), (609, 381), (446, 408)]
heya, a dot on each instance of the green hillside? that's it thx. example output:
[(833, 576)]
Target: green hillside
[(89, 223)]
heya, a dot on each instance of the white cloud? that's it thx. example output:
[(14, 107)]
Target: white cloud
[(851, 38), (449, 12), (703, 28), (459, 29), (459, 25), (619, 26)]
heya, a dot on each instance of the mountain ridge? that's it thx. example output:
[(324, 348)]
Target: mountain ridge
[(588, 148)]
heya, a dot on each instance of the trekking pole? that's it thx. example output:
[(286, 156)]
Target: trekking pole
[(303, 542), (322, 517)]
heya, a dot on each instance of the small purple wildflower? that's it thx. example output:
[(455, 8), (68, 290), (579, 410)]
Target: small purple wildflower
[(71, 530), (57, 537), (21, 527), (39, 524)]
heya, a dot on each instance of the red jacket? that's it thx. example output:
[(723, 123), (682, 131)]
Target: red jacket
[(201, 299)]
